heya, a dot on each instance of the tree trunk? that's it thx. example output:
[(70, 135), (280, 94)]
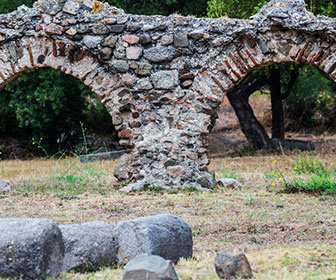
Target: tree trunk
[(251, 127), (278, 127)]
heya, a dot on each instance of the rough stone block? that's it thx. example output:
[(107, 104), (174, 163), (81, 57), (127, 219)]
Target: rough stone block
[(165, 79), (149, 268), (229, 183), (5, 186), (231, 267), (30, 248), (164, 235), (88, 245)]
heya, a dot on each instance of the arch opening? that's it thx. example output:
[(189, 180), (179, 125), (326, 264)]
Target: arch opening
[(46, 112)]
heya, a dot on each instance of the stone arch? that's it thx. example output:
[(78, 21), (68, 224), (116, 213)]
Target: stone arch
[(161, 78), (42, 52)]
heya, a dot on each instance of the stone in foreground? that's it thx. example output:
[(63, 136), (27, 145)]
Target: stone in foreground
[(5, 186), (88, 246), (149, 268), (164, 235), (232, 267), (229, 183), (30, 248)]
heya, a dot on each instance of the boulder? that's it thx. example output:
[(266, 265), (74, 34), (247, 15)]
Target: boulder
[(229, 183), (232, 267), (30, 248), (5, 186), (164, 235), (150, 268), (88, 246)]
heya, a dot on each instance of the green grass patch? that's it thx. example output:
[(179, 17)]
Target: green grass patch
[(309, 176)]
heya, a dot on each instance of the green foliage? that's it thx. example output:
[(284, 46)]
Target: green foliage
[(234, 8), (310, 176), (48, 106), (7, 6), (312, 103), (166, 7), (230, 174), (246, 8)]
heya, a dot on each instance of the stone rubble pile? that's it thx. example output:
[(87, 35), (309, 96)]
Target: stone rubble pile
[(162, 79), (39, 248)]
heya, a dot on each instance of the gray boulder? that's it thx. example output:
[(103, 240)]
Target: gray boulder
[(88, 246), (5, 186), (149, 268), (232, 267), (30, 248), (164, 235), (229, 183)]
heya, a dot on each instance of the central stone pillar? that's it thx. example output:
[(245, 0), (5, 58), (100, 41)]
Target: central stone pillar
[(170, 146)]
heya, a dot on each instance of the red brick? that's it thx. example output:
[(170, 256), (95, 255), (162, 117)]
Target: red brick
[(302, 52), (30, 55)]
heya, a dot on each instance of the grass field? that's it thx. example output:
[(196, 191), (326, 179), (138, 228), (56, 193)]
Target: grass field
[(285, 236)]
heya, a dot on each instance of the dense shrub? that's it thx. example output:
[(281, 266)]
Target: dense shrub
[(312, 102)]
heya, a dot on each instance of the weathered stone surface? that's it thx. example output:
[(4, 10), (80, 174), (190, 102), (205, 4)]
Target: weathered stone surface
[(131, 39), (145, 39), (117, 28), (88, 245), (150, 268), (106, 53), (30, 248), (181, 40), (100, 29), (138, 186), (143, 84), (175, 171), (164, 235), (110, 41), (167, 40), (120, 66), (71, 31), (165, 79), (5, 186), (92, 41), (54, 29), (133, 53), (159, 54), (229, 183), (207, 181), (143, 69), (232, 267), (71, 7)]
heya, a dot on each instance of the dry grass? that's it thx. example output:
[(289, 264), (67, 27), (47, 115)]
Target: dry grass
[(284, 236)]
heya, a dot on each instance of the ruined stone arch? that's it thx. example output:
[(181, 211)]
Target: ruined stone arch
[(161, 78)]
